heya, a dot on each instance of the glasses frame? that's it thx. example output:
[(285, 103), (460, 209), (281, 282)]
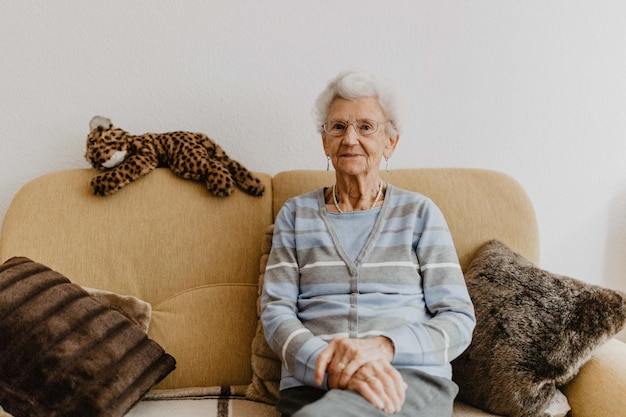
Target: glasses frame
[(375, 124)]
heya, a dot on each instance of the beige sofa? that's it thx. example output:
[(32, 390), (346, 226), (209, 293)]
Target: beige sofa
[(197, 259)]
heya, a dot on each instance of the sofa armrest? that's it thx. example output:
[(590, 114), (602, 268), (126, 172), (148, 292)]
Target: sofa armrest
[(599, 387)]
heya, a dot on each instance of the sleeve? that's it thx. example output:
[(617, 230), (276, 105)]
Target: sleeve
[(294, 344), (448, 332)]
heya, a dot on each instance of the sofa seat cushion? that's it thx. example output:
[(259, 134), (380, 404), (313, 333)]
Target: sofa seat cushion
[(233, 404), (201, 402), (203, 408), (228, 401)]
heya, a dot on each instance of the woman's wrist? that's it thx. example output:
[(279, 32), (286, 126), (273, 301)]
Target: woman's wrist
[(388, 347)]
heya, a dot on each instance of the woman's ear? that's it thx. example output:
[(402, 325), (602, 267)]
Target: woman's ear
[(325, 145), (391, 146)]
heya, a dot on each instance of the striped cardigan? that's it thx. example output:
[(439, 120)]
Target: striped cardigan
[(406, 284)]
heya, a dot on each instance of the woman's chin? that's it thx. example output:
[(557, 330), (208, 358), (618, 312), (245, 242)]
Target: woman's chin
[(352, 166)]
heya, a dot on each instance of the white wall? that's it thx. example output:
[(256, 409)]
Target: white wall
[(534, 88)]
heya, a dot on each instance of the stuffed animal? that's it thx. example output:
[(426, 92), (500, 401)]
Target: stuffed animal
[(193, 156)]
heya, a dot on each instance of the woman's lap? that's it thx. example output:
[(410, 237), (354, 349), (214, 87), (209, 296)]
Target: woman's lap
[(426, 396)]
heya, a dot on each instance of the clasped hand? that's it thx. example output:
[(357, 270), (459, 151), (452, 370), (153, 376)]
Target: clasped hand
[(364, 366)]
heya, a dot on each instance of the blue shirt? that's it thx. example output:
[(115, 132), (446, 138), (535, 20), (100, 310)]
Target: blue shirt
[(353, 229)]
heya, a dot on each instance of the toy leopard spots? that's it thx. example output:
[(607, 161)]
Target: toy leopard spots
[(192, 156)]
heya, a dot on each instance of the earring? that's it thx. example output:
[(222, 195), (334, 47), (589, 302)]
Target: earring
[(328, 163), (387, 165)]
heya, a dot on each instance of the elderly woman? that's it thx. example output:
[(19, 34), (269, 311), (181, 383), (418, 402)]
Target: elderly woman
[(364, 300)]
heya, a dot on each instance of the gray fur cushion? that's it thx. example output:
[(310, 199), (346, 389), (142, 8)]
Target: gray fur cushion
[(534, 331)]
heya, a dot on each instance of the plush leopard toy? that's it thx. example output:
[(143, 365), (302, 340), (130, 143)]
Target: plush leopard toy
[(193, 156)]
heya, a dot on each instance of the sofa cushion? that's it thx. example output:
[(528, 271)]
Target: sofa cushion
[(64, 353), (201, 402), (193, 256), (534, 331), (478, 204), (265, 363)]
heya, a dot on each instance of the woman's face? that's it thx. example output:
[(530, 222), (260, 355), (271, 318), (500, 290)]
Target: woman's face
[(352, 153)]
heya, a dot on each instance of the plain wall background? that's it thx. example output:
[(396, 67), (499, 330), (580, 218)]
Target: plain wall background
[(536, 89)]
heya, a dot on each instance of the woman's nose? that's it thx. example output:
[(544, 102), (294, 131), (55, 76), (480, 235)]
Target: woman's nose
[(351, 136)]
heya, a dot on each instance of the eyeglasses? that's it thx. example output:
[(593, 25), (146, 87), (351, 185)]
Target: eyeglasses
[(363, 127)]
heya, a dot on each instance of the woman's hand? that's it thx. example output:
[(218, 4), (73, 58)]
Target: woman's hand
[(381, 384), (364, 366)]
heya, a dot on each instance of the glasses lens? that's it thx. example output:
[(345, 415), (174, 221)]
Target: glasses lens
[(367, 127), (363, 127), (335, 128)]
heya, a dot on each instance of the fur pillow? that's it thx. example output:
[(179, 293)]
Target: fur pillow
[(135, 309), (63, 353), (534, 331)]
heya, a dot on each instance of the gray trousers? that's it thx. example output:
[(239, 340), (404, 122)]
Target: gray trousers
[(426, 396)]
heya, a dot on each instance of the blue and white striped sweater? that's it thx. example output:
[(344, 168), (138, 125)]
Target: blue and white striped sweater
[(405, 284)]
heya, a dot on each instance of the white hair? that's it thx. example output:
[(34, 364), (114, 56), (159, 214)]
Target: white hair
[(352, 85)]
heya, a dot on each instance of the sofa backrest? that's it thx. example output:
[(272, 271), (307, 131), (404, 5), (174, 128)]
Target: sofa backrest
[(478, 204), (193, 256)]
